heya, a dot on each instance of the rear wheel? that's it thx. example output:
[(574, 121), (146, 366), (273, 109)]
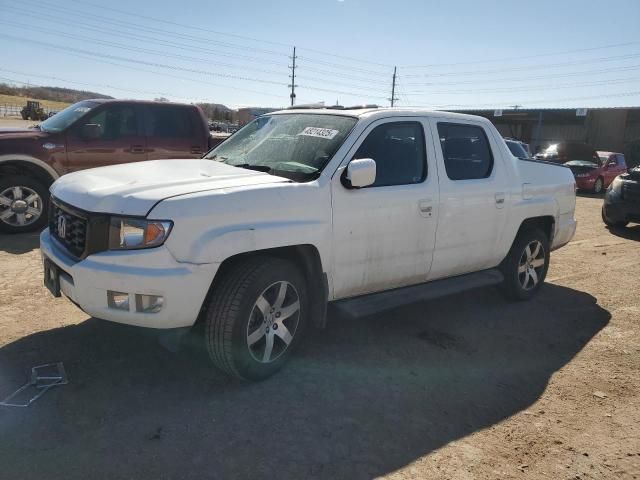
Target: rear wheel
[(526, 264), (598, 186), (255, 317), (24, 203)]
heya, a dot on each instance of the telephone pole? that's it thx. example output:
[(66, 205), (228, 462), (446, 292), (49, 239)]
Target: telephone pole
[(393, 88), (293, 78)]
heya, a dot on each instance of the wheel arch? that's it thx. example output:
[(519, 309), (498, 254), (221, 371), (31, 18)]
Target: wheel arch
[(305, 256), (30, 166)]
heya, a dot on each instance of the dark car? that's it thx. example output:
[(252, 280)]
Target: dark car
[(566, 151), (622, 201), (91, 133)]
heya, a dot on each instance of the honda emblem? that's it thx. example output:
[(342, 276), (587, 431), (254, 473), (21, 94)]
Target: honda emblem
[(62, 226)]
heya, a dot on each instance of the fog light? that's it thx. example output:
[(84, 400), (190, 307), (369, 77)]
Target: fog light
[(149, 303), (118, 300)]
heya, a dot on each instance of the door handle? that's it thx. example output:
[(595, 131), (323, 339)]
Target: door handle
[(499, 199), (425, 207), (137, 149)]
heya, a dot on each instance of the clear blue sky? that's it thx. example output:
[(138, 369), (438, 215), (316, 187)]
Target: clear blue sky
[(449, 54)]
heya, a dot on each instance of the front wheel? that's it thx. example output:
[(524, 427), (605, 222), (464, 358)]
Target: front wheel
[(598, 186), (526, 264), (611, 223), (255, 317), (23, 204)]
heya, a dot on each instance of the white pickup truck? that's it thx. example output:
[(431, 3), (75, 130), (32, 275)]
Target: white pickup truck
[(368, 208)]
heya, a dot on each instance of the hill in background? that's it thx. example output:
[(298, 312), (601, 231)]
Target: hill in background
[(55, 94)]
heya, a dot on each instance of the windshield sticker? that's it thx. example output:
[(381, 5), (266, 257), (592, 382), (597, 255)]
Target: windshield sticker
[(319, 132)]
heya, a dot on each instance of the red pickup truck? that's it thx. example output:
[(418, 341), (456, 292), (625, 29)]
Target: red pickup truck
[(91, 133)]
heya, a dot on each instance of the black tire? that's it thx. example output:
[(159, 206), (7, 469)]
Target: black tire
[(610, 223), (232, 310), (598, 185), (30, 183), (513, 286)]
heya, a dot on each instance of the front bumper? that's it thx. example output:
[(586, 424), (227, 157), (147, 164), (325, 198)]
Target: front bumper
[(585, 183), (619, 210), (153, 271)]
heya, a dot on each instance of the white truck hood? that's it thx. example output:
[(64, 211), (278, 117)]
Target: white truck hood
[(134, 188)]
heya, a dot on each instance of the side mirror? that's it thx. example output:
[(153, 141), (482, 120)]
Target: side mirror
[(360, 173), (91, 131)]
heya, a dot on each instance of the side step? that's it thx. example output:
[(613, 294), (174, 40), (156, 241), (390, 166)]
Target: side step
[(378, 302)]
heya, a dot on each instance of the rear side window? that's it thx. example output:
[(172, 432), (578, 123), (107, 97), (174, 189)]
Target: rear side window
[(466, 151), (621, 161), (399, 152), (166, 121)]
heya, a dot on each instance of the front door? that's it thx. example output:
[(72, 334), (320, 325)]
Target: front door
[(116, 137), (384, 234), (474, 199)]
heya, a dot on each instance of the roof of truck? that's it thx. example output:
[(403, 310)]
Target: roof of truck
[(125, 100), (381, 112)]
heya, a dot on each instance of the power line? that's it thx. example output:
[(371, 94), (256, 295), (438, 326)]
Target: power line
[(522, 57), (495, 104), (529, 67), (142, 62), (529, 77), (138, 27), (527, 88), (140, 49), (105, 30)]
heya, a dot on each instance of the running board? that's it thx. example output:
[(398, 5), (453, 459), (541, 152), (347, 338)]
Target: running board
[(378, 302)]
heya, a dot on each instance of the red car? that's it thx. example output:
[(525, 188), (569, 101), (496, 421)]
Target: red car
[(595, 177)]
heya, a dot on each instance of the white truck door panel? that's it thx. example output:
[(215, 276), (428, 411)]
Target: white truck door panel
[(472, 211), (383, 235)]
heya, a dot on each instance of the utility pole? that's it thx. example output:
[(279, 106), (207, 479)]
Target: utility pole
[(393, 87), (293, 78)]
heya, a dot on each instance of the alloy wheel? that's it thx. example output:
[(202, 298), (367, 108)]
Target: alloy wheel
[(273, 322), (20, 206), (531, 265)]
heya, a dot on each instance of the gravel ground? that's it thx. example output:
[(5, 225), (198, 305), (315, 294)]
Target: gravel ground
[(468, 387)]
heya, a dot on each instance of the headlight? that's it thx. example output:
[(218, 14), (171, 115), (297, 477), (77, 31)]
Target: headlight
[(616, 186), (132, 233)]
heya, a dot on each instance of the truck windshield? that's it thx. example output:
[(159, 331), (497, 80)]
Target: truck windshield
[(296, 146), (66, 117)]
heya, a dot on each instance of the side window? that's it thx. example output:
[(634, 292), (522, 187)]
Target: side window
[(466, 151), (169, 122), (117, 121), (621, 162), (399, 152)]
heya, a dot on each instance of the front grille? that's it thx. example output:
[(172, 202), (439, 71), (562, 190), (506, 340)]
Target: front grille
[(631, 191), (74, 237)]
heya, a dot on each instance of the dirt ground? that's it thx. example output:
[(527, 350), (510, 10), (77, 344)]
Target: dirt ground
[(469, 387)]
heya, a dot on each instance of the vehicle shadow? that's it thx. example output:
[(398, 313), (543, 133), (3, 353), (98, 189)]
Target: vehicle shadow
[(629, 232), (361, 399), (19, 243)]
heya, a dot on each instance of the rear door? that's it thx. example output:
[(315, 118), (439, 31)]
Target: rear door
[(120, 138), (171, 132), (473, 198)]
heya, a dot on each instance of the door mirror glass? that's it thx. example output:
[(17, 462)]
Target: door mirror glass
[(91, 131), (361, 173)]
